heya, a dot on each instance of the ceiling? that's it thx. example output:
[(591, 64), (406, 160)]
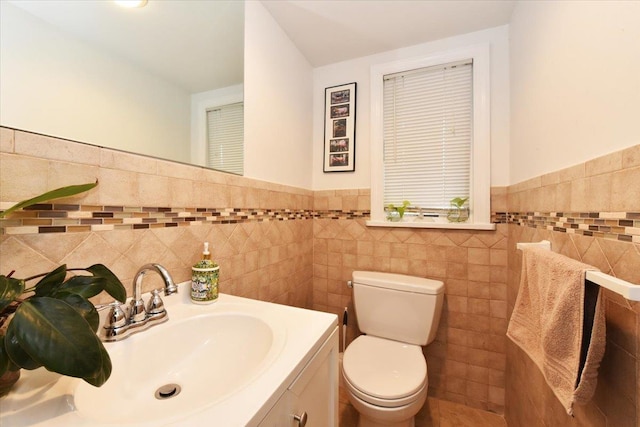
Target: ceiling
[(327, 32), (176, 40), (179, 40)]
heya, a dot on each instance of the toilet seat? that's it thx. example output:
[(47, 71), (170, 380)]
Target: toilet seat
[(384, 372)]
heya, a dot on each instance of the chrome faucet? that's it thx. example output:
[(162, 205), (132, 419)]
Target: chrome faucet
[(120, 325)]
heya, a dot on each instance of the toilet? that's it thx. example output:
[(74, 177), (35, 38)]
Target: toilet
[(384, 370)]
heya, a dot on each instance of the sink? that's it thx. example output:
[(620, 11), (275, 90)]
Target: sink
[(179, 369), (223, 364)]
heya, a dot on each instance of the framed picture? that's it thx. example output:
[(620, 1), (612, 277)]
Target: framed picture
[(340, 128)]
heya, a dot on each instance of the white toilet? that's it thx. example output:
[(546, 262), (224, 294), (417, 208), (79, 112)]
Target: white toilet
[(385, 371)]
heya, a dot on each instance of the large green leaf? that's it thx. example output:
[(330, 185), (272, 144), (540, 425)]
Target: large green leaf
[(70, 190), (83, 306), (105, 369), (113, 285), (85, 286), (4, 357), (10, 289), (16, 353), (5, 362), (51, 282), (54, 334)]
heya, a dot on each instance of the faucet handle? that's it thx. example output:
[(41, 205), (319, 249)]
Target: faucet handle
[(116, 317), (156, 305), (137, 312)]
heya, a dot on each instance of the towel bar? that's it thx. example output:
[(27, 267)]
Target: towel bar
[(619, 286)]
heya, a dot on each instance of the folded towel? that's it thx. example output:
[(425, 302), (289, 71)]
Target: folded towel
[(558, 320)]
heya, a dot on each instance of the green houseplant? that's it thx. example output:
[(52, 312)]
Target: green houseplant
[(396, 213), (457, 211), (52, 323)]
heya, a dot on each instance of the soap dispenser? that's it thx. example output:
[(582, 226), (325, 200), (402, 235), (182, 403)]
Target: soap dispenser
[(204, 279)]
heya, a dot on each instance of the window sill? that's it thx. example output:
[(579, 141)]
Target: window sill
[(429, 224)]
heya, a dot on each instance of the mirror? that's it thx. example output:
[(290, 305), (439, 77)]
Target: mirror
[(139, 80)]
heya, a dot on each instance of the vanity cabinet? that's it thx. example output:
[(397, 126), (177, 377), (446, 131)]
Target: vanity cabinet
[(312, 398)]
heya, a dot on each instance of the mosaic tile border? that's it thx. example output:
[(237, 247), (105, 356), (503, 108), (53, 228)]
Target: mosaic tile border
[(622, 226), (65, 218)]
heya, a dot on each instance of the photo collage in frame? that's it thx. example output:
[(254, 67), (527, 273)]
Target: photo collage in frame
[(339, 128)]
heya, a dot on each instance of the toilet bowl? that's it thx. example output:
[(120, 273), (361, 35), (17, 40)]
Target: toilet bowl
[(384, 370), (386, 381)]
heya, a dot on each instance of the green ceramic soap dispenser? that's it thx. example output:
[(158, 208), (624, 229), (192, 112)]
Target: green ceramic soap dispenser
[(204, 279)]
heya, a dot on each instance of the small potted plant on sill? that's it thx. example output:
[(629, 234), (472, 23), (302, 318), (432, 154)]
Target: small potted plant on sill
[(458, 212), (52, 323), (396, 213)]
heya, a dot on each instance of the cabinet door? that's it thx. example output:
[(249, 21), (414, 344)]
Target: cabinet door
[(315, 390), (279, 415), (313, 395)]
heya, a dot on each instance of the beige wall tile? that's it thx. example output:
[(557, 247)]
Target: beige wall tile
[(572, 173), (6, 140), (178, 170), (264, 261), (364, 202), (56, 149), (625, 190), (181, 193), (61, 174), (153, 190), (550, 178), (528, 184), (498, 199), (119, 188), (604, 164), (478, 306), (20, 256), (548, 202), (631, 157), (498, 257), (599, 193), (211, 195), (22, 177), (563, 197), (113, 159), (479, 256), (579, 195)]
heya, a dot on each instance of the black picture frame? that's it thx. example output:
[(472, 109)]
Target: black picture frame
[(340, 128)]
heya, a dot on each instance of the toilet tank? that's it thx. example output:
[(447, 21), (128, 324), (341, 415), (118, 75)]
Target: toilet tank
[(397, 307)]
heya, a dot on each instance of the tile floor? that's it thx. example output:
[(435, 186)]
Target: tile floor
[(435, 413)]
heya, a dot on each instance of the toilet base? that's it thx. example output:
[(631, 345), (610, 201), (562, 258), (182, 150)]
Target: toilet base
[(362, 422), (376, 416)]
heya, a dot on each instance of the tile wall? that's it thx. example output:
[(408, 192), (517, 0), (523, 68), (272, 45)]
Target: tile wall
[(148, 210), (298, 247), (466, 362), (606, 193)]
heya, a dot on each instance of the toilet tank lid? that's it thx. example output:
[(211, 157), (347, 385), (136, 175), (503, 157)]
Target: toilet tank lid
[(400, 282)]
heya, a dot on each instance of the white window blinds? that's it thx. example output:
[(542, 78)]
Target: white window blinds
[(427, 122), (225, 138)]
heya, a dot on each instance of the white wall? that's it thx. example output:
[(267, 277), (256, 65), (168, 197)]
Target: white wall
[(277, 104), (575, 83), (358, 70), (53, 84)]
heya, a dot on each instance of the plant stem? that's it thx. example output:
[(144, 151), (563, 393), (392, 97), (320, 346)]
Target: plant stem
[(35, 277), (44, 274)]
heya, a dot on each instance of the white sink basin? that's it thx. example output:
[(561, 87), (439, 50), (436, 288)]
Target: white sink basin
[(199, 360), (232, 361)]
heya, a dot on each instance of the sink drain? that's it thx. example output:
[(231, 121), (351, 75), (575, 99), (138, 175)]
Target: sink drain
[(168, 391)]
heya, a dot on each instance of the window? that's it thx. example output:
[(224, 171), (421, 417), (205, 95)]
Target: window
[(225, 138), (430, 137)]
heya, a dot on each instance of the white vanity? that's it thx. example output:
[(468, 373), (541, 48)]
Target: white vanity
[(236, 362)]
